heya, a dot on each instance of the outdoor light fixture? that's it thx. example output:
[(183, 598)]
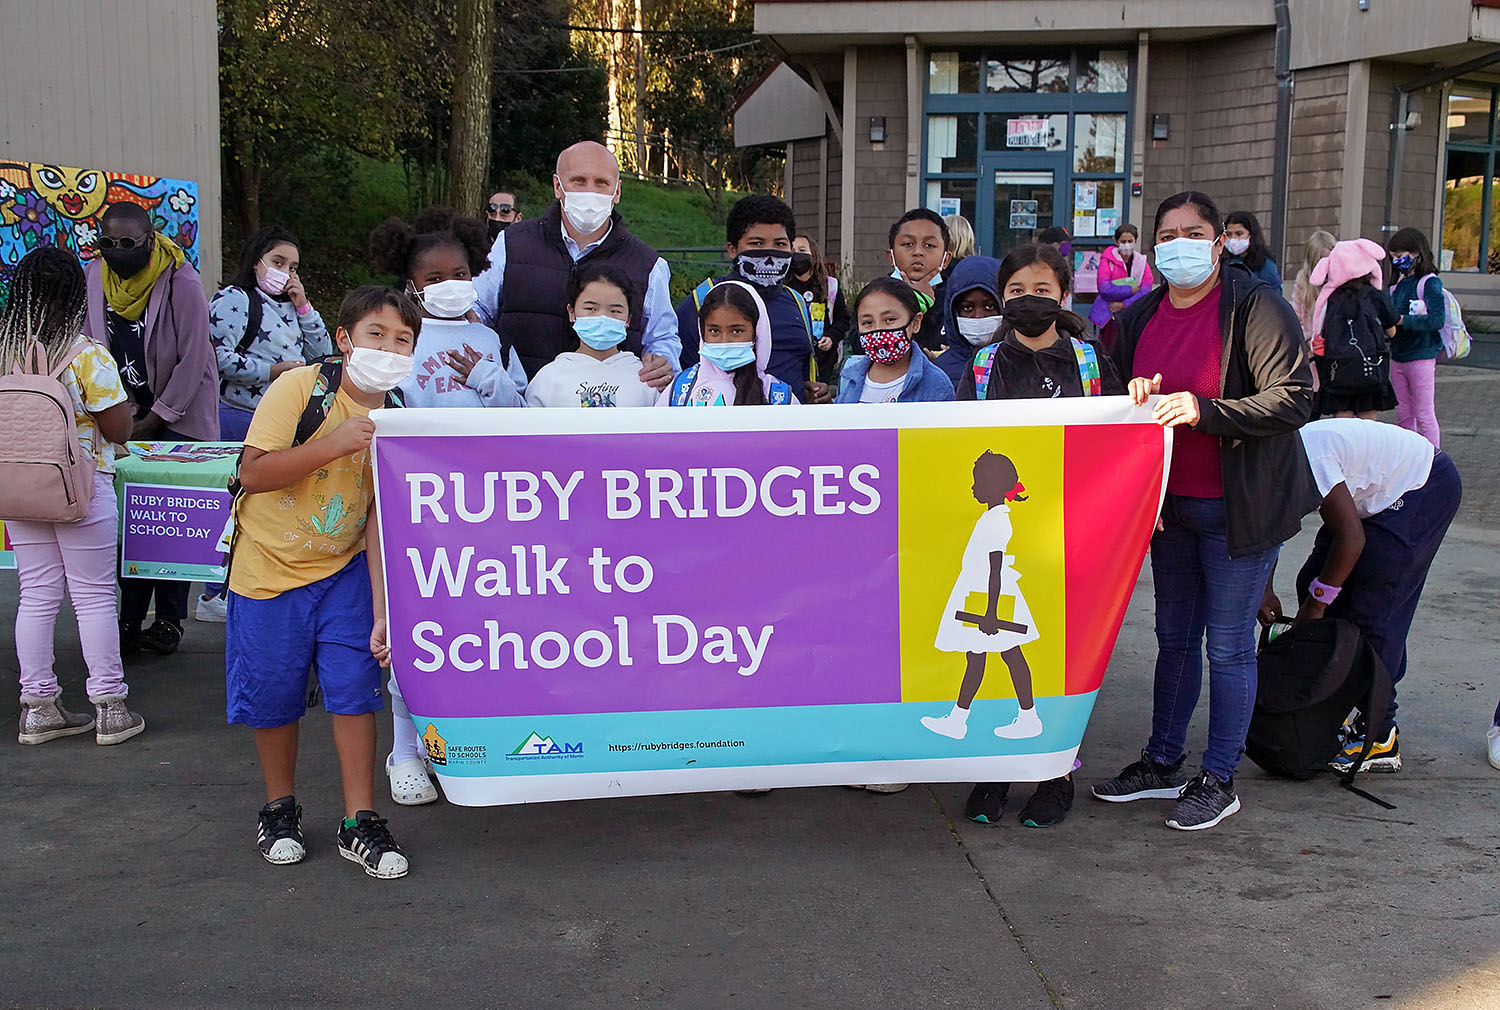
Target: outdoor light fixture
[(1364, 5), (877, 129), (1161, 126)]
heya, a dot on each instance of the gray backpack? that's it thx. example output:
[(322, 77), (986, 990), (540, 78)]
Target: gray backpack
[(44, 473)]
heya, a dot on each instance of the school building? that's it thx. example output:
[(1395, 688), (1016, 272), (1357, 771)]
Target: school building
[(1354, 116)]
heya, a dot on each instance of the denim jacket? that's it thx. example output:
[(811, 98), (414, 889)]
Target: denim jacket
[(925, 382)]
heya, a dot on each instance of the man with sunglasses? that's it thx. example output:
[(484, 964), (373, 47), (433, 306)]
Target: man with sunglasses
[(146, 305), (502, 212)]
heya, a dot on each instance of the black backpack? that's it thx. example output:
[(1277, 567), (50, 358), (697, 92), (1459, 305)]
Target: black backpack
[(1310, 678), (1356, 357)]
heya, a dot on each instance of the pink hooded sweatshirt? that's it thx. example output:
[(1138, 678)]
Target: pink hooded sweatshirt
[(711, 385), (1349, 260), (1113, 286)]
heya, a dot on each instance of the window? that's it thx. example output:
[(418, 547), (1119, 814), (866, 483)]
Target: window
[(1469, 181), (945, 191), (1469, 115), (953, 143), (1105, 72), (1026, 73), (1099, 143), (953, 73)]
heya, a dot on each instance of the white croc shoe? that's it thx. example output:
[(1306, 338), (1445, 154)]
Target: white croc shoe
[(212, 609), (411, 786), (1492, 738)]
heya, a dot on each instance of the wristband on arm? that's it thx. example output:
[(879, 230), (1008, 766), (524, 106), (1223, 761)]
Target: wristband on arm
[(1322, 592)]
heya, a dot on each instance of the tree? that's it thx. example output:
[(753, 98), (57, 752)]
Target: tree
[(473, 81), (694, 77), (298, 75), (548, 93)]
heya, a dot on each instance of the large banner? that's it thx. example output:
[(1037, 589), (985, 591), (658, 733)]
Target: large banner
[(726, 599)]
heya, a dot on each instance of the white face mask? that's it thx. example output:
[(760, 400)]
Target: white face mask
[(448, 299), (979, 331), (376, 371), (1237, 246), (1126, 248), (588, 211)]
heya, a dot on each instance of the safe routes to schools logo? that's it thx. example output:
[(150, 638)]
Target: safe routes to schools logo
[(537, 746)]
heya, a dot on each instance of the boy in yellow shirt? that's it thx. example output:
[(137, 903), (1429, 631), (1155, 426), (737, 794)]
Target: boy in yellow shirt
[(299, 585)]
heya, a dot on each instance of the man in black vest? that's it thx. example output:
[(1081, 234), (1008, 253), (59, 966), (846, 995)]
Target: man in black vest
[(524, 292)]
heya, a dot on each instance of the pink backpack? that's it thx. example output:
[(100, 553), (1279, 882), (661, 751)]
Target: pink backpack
[(44, 473)]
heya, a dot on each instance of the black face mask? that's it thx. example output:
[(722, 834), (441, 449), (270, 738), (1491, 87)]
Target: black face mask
[(1031, 315), (128, 262), (496, 227), (765, 268), (801, 263)]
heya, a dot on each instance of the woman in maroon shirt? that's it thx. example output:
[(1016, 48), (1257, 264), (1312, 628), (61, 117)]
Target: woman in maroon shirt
[(1225, 350)]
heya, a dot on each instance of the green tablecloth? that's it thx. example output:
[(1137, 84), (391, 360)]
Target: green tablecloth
[(169, 535)]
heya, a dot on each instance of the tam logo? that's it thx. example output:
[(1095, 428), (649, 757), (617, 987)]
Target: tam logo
[(536, 745)]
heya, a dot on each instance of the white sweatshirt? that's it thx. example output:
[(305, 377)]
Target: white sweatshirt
[(574, 379), (432, 383)]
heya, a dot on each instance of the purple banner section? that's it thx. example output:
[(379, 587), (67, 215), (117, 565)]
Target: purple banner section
[(175, 526), (546, 574)]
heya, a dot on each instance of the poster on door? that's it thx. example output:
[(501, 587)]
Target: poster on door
[(1027, 133)]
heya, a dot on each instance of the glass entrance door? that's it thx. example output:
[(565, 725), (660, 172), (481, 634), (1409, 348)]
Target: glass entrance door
[(1021, 202)]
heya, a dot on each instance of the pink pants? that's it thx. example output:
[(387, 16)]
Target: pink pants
[(1416, 401), (82, 554)]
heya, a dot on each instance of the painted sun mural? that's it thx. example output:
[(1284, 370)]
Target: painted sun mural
[(43, 204)]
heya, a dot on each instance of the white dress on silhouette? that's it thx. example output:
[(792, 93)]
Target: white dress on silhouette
[(992, 532)]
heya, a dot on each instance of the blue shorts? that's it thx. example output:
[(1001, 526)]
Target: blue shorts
[(269, 646)]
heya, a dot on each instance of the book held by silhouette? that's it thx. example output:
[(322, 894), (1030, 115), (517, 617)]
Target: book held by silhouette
[(968, 618)]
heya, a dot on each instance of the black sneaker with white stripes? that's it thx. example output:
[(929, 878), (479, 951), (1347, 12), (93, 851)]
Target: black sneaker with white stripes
[(368, 842), (1205, 802), (280, 835), (1143, 780)]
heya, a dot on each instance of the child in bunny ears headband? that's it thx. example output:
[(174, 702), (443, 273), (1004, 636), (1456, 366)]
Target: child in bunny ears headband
[(1353, 320)]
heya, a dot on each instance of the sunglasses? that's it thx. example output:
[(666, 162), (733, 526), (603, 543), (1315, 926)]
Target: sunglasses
[(126, 242), (502, 208)]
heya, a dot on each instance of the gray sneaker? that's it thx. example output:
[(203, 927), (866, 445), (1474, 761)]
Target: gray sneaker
[(1205, 802), (1143, 780), (116, 723), (44, 719)]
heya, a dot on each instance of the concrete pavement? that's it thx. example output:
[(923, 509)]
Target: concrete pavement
[(135, 883)]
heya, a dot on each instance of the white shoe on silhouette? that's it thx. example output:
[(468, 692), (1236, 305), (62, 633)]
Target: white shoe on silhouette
[(954, 725), (1027, 724)]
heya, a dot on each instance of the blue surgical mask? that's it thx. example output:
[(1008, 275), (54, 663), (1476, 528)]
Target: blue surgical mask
[(1186, 262), (1403, 261), (600, 332), (728, 356)]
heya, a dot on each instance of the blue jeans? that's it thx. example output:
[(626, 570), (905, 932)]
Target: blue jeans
[(1200, 588), (233, 423)]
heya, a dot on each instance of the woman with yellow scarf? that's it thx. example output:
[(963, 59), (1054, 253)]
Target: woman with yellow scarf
[(146, 305)]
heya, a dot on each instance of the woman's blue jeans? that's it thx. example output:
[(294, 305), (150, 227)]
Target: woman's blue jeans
[(1202, 591)]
